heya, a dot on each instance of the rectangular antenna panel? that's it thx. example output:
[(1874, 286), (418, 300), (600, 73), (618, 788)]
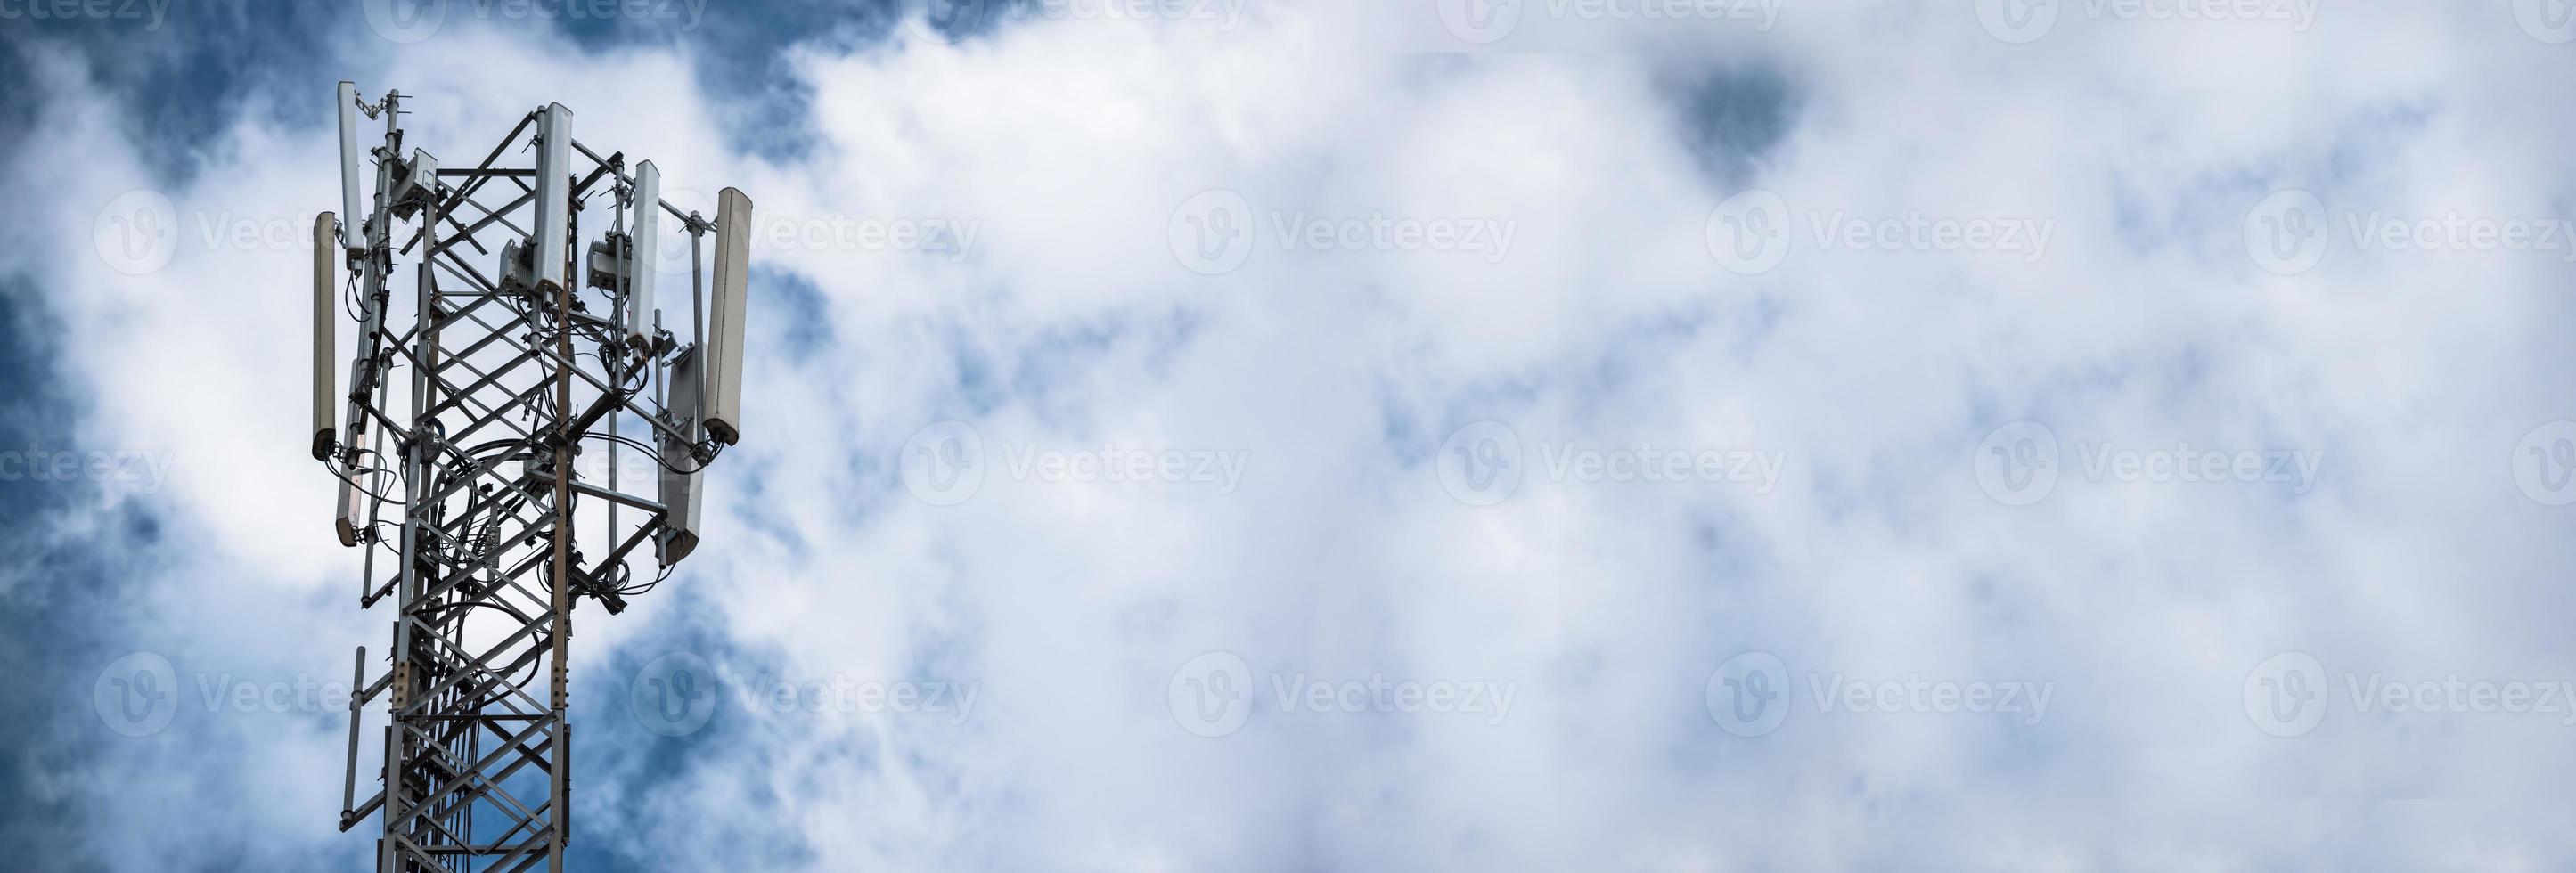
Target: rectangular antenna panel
[(724, 317), (646, 237), (554, 198), (680, 496), (326, 319), (352, 234)]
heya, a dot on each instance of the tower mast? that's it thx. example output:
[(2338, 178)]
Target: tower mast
[(499, 398)]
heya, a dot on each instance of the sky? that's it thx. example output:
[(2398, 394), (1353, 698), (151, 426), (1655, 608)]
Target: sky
[(1384, 434)]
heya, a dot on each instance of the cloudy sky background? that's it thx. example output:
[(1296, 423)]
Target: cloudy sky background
[(2405, 404)]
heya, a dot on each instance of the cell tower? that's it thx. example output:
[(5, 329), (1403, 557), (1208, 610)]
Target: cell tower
[(477, 443)]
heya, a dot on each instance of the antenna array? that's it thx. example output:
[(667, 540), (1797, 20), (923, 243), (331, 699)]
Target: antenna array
[(477, 443)]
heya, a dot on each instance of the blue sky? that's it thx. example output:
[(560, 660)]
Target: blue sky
[(1391, 434)]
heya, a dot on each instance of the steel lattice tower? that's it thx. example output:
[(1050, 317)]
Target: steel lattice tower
[(477, 442)]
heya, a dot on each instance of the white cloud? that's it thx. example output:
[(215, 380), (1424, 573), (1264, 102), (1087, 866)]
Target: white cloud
[(1072, 324)]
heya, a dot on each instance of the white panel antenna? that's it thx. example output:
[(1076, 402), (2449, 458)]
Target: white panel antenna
[(723, 342), (645, 236), (352, 236), (681, 497), (554, 198)]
